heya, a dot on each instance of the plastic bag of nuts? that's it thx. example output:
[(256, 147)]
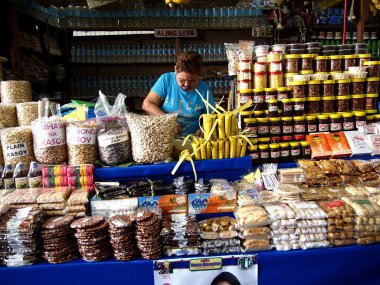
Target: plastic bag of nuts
[(8, 115), (113, 135), (152, 137), (81, 142), (17, 144), (27, 113), (13, 91), (49, 136)]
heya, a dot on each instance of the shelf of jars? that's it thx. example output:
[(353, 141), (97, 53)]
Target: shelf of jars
[(246, 16)]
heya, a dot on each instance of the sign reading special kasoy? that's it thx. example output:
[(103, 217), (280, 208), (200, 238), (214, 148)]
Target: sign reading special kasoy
[(175, 33)]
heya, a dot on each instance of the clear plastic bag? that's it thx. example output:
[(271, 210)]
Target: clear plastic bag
[(49, 135), (152, 137), (113, 135)]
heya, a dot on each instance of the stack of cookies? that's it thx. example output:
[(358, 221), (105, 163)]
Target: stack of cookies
[(122, 235), (92, 238), (58, 240), (148, 230)]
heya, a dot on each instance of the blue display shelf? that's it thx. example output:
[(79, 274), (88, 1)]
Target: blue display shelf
[(230, 169)]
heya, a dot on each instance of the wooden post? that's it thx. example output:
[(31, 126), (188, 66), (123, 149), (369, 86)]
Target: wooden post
[(364, 7)]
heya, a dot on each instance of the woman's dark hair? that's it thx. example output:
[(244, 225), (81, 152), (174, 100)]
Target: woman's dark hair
[(189, 61), (225, 277)]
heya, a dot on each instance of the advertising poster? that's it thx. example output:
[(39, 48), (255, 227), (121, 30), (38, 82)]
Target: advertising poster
[(216, 270)]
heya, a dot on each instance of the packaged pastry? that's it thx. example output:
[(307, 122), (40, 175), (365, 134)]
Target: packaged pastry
[(356, 191), (336, 208), (251, 216), (255, 245), (268, 198), (376, 164), (290, 223), (307, 210), (327, 166), (363, 166), (281, 211), (255, 233), (313, 195), (362, 206), (314, 244), (312, 223), (316, 230), (305, 163), (346, 167), (290, 175), (223, 227)]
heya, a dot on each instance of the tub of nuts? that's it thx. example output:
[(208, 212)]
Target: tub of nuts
[(8, 115), (27, 113), (13, 91)]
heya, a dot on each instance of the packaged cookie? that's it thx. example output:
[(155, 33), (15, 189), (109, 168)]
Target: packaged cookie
[(363, 166), (252, 216), (307, 210), (345, 167), (327, 166)]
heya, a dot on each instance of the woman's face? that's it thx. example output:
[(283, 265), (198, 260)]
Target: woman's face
[(187, 81), (224, 283)]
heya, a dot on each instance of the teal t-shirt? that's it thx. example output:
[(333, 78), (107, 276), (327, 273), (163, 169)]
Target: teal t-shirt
[(188, 105)]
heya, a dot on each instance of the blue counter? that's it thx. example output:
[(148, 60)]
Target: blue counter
[(341, 265), (231, 169)]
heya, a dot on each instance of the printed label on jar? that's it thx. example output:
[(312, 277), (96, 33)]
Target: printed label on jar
[(16, 150), (264, 154), (360, 124), (275, 154), (288, 108), (272, 108), (299, 128), (307, 151), (348, 126), (282, 97), (112, 139), (81, 135), (285, 153), (263, 130), (299, 137), (299, 107), (21, 182), (286, 138), (50, 134), (295, 152), (275, 130), (9, 183), (369, 103), (258, 99), (252, 130), (312, 128), (287, 129), (254, 156), (323, 127), (336, 127), (244, 99), (270, 97)]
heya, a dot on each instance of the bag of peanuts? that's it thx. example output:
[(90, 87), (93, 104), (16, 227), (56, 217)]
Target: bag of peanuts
[(8, 116), (81, 141), (27, 113), (13, 91), (17, 145), (152, 137), (113, 135), (49, 135)]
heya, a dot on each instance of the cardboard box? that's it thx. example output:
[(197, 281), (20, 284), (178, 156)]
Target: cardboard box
[(358, 143), (319, 146), (339, 145), (374, 142), (206, 203), (169, 204)]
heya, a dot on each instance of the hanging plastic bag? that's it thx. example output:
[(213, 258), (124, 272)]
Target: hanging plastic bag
[(113, 135), (49, 135)]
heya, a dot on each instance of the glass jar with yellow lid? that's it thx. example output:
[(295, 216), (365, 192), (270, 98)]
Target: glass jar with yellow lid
[(360, 119), (323, 123), (348, 122), (335, 123)]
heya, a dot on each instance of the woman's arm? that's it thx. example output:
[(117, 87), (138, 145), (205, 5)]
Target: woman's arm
[(152, 103)]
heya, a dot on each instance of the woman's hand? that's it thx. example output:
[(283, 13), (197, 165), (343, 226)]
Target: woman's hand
[(178, 130)]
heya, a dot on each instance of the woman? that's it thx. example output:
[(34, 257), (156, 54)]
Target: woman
[(174, 92), (225, 278)]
